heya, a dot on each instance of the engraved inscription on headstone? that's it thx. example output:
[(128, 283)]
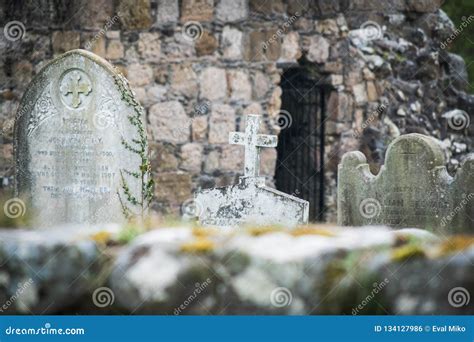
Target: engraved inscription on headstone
[(412, 189), (250, 201), (67, 164)]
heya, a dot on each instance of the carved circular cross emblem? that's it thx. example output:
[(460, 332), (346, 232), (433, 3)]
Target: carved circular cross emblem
[(75, 87)]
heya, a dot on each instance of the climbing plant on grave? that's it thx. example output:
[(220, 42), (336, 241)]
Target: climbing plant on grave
[(139, 145)]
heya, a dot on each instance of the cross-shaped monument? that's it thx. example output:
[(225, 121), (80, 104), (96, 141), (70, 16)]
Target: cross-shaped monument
[(72, 85), (250, 201), (252, 142)]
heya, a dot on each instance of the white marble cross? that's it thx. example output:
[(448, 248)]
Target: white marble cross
[(253, 142)]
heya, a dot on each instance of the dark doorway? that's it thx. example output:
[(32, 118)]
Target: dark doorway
[(301, 145)]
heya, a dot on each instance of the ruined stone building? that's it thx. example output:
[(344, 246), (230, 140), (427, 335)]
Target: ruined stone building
[(329, 76)]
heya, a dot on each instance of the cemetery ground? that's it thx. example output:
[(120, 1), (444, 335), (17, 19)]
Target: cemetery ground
[(187, 206)]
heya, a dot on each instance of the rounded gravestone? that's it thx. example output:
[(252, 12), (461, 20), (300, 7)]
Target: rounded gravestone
[(71, 129)]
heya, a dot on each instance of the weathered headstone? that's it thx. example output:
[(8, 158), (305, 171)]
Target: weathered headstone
[(412, 189), (250, 201), (70, 134)]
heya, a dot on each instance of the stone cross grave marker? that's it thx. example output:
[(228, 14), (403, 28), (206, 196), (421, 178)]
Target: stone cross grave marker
[(70, 130), (250, 201), (412, 189)]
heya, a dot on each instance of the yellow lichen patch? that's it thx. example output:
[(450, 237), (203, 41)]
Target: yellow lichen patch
[(455, 244), (407, 251), (262, 230), (102, 237), (200, 245), (202, 232), (312, 231)]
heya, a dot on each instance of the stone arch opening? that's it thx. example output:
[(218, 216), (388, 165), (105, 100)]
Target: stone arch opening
[(300, 151)]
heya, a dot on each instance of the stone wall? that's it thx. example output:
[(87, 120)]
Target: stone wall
[(198, 66)]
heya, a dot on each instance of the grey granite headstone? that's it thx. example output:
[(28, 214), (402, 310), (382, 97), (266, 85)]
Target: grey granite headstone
[(68, 141), (250, 201), (412, 189)]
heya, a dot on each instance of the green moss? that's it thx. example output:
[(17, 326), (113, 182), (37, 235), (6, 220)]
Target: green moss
[(129, 233)]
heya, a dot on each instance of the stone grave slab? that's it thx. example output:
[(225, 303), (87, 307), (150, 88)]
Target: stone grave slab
[(70, 130), (412, 189), (250, 201)]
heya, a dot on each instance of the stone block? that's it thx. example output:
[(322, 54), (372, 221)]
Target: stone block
[(232, 43), (318, 49), (199, 128), (262, 45), (290, 48), (232, 10), (167, 12), (114, 49), (139, 74), (184, 80), (169, 122), (206, 45), (149, 46), (135, 14), (173, 187), (191, 157), (197, 10), (64, 41), (213, 83), (221, 123), (239, 85)]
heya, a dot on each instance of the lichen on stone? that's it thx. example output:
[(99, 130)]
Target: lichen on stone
[(307, 230), (203, 232), (103, 237), (407, 251), (456, 244), (262, 230), (199, 245)]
